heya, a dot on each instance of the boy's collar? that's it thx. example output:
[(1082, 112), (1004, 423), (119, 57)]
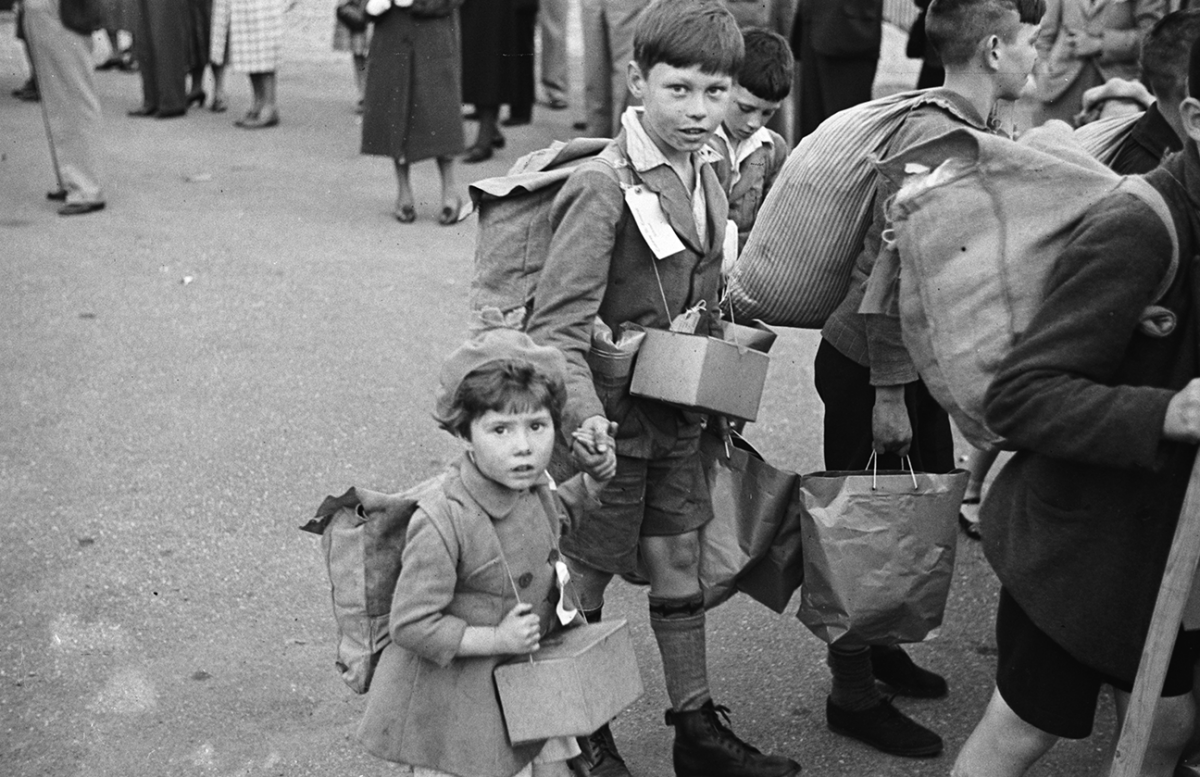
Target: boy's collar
[(643, 153), (496, 500), (739, 151)]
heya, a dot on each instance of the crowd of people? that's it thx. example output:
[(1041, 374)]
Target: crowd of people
[(1101, 405)]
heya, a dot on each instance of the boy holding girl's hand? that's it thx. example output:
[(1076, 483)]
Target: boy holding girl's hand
[(638, 236)]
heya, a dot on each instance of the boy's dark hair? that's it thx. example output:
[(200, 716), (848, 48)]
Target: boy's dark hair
[(769, 67), (955, 27), (506, 386), (1165, 53), (686, 33)]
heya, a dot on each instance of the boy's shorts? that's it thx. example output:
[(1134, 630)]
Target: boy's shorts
[(654, 497), (1050, 689)]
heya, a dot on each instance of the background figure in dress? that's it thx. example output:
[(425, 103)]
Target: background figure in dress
[(200, 41), (413, 66), (119, 15), (247, 35), (497, 69), (358, 44), (62, 59), (1084, 43)]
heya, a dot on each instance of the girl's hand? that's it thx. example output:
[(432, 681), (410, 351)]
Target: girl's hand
[(518, 632)]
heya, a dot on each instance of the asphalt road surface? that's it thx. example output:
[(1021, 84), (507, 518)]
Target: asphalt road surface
[(245, 329)]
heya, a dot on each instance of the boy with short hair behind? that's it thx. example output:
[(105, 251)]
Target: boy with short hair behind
[(874, 399), (753, 153), (602, 266)]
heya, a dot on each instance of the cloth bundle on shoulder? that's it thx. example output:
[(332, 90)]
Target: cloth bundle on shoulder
[(1103, 139), (514, 221), (977, 238), (362, 539), (878, 553), (795, 268)]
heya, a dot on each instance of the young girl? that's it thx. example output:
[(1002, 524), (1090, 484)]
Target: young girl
[(480, 580)]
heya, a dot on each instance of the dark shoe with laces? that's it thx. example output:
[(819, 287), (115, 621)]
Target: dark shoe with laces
[(884, 728), (705, 746), (893, 667), (600, 757)]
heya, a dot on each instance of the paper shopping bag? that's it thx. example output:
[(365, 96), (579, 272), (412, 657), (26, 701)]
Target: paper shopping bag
[(878, 553), (751, 500)]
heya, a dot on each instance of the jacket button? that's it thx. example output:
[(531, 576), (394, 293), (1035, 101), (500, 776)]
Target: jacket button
[(525, 579)]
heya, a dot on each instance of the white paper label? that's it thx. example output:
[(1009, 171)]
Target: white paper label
[(729, 249), (652, 222)]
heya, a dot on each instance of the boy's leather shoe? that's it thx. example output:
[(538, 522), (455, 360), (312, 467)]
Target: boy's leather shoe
[(896, 669), (705, 746), (600, 757), (885, 728)]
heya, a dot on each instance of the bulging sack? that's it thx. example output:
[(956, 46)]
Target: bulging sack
[(977, 238), (362, 539), (878, 553), (514, 221), (795, 268)]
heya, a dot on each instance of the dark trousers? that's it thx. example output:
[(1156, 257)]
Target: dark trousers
[(845, 388), (831, 84), (164, 53)]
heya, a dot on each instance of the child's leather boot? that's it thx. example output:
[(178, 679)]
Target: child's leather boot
[(706, 747)]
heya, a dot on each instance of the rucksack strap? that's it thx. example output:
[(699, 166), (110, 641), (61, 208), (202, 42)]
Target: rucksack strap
[(1141, 188)]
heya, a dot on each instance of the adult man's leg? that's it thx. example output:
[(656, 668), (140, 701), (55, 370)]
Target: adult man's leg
[(552, 22)]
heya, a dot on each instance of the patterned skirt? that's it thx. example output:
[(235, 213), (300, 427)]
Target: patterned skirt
[(247, 34)]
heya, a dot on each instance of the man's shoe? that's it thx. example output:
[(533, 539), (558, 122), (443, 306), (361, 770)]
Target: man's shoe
[(885, 728), (893, 667), (705, 746), (80, 208), (600, 757)]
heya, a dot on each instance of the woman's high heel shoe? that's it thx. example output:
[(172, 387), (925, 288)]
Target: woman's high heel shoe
[(196, 98)]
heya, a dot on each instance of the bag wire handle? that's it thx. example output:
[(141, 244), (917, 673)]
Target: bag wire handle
[(873, 465)]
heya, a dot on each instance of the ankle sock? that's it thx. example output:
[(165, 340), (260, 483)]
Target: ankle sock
[(678, 625), (853, 685)]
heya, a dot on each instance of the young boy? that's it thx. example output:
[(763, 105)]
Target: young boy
[(874, 400), (1102, 403), (753, 154), (602, 265)]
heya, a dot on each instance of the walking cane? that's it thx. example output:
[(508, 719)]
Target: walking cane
[(32, 44), (1164, 627)]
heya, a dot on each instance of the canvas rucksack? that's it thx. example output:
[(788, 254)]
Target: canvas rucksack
[(362, 539), (796, 265), (1103, 139), (978, 237), (514, 220)]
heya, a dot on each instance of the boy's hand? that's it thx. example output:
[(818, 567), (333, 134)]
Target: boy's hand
[(594, 449), (1182, 422), (1084, 45), (889, 421), (518, 632)]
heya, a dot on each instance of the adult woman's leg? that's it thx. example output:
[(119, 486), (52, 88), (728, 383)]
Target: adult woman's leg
[(405, 210), (451, 201)]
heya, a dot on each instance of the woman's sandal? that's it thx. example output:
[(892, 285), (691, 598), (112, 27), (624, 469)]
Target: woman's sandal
[(451, 214), (406, 214)]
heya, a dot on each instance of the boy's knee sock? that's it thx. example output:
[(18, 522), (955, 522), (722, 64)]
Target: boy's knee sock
[(853, 680), (678, 625)]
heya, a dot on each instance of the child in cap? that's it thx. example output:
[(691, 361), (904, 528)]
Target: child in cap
[(480, 579), (602, 265)]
